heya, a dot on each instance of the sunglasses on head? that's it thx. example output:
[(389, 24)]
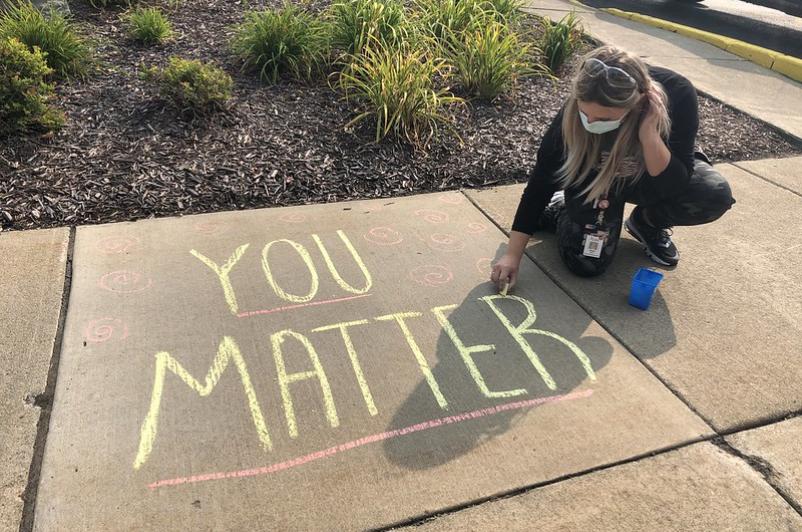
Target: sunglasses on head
[(615, 77)]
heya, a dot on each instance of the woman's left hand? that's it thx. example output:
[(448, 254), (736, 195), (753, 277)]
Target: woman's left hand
[(649, 117)]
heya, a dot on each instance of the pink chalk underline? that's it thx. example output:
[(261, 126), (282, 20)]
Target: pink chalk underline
[(313, 304), (426, 425)]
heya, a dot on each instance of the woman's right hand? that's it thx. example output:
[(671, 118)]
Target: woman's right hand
[(506, 271)]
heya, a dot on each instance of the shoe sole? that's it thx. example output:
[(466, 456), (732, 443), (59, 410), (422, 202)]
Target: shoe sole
[(632, 231)]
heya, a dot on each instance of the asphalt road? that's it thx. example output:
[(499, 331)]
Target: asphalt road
[(740, 20)]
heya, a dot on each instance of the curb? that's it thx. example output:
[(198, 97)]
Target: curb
[(786, 65)]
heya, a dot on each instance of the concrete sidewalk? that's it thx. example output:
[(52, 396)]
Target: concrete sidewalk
[(750, 88), (234, 370)]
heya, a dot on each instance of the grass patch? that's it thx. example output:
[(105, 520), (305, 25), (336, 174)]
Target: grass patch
[(148, 25), (282, 42), (489, 59), (560, 40), (355, 24), (395, 88)]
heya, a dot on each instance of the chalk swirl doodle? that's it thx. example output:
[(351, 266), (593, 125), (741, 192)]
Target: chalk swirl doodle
[(432, 216), (104, 329), (208, 228), (452, 199), (431, 275), (118, 244), (484, 266), (444, 242), (124, 281), (475, 228), (293, 218), (384, 236)]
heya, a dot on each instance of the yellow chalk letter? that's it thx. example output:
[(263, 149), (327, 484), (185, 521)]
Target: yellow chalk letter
[(285, 379), (226, 352), (424, 366), (337, 277), (223, 273), (467, 355), (519, 331), (349, 346), (310, 266)]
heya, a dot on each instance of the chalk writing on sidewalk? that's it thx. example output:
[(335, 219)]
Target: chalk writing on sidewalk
[(229, 351)]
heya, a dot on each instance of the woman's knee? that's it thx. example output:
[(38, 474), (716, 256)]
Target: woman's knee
[(714, 194), (707, 197)]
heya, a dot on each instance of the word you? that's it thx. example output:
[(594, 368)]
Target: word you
[(228, 352), (223, 271)]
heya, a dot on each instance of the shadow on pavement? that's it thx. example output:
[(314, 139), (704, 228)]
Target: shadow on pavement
[(504, 368)]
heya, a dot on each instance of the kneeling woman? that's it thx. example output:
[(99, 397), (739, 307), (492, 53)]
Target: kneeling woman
[(626, 134)]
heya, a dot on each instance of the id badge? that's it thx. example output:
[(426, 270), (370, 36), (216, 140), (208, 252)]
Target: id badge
[(594, 243)]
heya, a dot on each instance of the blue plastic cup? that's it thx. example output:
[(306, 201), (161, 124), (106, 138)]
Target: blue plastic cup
[(643, 286)]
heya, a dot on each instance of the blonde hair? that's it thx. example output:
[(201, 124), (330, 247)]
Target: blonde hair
[(583, 149)]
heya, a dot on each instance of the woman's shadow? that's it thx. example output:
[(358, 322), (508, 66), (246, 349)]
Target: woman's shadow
[(501, 368)]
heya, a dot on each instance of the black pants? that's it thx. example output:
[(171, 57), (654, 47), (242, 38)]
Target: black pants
[(705, 199)]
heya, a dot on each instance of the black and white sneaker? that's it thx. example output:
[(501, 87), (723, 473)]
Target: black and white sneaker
[(659, 246), (548, 220)]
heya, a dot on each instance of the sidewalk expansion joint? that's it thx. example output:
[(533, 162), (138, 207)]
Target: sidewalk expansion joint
[(44, 400), (766, 179), (421, 519), (761, 466), (598, 320)]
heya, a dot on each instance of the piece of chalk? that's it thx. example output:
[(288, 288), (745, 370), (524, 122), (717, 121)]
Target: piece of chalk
[(504, 290)]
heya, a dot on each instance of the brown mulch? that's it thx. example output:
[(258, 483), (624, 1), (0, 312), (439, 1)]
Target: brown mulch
[(125, 155)]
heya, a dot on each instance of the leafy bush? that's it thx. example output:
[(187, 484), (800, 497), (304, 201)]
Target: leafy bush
[(395, 87), (66, 51), (357, 23), (284, 41), (148, 25), (488, 60), (560, 40), (24, 94), (192, 85)]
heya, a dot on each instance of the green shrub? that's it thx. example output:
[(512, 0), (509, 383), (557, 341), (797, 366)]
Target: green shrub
[(280, 42), (488, 59), (67, 52), (24, 94), (192, 86), (560, 40), (148, 25), (356, 23), (395, 87)]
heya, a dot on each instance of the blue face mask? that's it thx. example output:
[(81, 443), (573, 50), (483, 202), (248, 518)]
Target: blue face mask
[(599, 127)]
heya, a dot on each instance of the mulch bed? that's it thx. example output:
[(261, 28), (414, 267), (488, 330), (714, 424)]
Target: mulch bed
[(124, 155)]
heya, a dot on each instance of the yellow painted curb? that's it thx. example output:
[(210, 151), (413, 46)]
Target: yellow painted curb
[(762, 56), (788, 66), (771, 59)]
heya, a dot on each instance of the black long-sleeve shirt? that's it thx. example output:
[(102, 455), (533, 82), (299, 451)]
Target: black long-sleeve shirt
[(683, 111)]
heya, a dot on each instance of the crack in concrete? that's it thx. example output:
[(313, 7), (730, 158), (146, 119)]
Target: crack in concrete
[(762, 466), (44, 400)]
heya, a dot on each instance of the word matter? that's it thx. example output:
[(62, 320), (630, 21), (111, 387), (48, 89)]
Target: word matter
[(228, 352)]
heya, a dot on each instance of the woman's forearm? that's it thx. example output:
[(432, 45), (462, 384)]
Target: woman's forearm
[(656, 154), (517, 244)]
